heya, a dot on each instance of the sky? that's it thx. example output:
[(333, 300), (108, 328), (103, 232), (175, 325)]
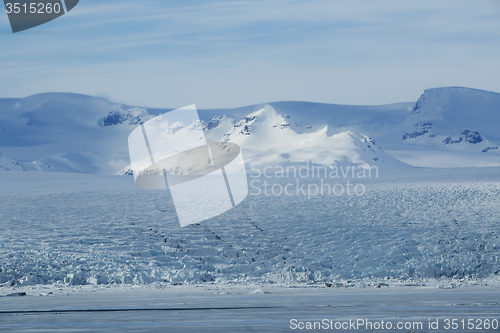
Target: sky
[(223, 54)]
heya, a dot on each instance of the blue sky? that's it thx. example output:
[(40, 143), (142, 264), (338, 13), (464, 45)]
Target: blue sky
[(234, 53)]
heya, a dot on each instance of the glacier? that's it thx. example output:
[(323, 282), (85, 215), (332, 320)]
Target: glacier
[(410, 225)]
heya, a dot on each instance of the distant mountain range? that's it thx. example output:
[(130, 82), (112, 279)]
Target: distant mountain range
[(446, 127)]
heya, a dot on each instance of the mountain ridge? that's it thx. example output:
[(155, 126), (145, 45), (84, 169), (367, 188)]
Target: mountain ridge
[(70, 132)]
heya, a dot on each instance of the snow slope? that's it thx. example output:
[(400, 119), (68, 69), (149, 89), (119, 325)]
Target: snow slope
[(9, 164), (270, 138), (450, 127), (62, 132), (447, 127)]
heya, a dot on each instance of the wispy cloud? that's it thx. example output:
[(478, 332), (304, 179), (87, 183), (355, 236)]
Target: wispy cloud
[(323, 50)]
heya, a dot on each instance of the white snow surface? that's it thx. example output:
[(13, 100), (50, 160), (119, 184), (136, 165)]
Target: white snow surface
[(267, 138), (9, 164), (450, 127), (245, 308), (249, 308), (410, 225), (446, 127)]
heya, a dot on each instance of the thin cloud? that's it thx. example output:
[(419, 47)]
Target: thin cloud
[(281, 41)]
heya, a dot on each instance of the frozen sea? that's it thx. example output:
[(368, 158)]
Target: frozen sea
[(248, 308), (97, 253)]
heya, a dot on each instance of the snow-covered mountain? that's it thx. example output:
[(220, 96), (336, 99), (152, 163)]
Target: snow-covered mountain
[(270, 138), (66, 133), (451, 126), (9, 164), (446, 127)]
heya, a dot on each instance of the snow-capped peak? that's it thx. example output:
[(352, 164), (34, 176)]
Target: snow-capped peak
[(9, 164), (450, 116), (266, 137)]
